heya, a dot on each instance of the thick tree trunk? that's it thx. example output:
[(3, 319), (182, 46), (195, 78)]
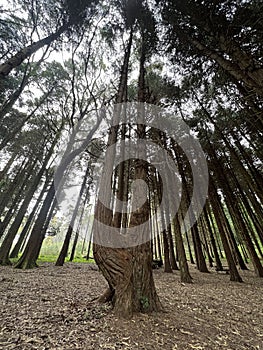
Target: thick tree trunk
[(129, 274), (129, 270)]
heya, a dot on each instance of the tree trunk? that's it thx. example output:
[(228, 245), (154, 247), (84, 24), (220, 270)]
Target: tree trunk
[(15, 186), (16, 200), (184, 269), (213, 242), (213, 198), (29, 221), (200, 259), (7, 243), (19, 57), (129, 270), (64, 250), (79, 226), (29, 257)]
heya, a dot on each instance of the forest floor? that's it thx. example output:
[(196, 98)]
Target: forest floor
[(52, 308)]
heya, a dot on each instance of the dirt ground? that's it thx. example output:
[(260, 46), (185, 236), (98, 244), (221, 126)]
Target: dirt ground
[(52, 308)]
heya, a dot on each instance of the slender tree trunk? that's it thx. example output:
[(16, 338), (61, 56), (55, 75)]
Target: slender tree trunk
[(64, 250), (184, 269), (19, 57), (200, 259), (7, 243), (234, 275), (79, 226), (29, 221), (16, 200), (204, 230), (29, 257), (8, 165), (15, 186), (30, 254), (213, 242)]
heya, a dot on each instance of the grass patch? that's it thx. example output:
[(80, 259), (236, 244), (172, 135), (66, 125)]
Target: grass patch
[(53, 259)]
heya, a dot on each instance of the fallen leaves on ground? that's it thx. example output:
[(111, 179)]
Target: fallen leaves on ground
[(53, 308)]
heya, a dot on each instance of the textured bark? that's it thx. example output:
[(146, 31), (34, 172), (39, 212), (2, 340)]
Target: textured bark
[(129, 271)]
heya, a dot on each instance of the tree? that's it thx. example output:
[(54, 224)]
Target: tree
[(72, 15)]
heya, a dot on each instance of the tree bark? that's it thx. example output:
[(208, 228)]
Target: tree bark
[(129, 271)]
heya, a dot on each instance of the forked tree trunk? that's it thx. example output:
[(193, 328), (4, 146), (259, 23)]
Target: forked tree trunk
[(129, 270)]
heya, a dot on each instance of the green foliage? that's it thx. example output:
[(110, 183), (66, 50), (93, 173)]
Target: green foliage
[(144, 302), (53, 258)]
